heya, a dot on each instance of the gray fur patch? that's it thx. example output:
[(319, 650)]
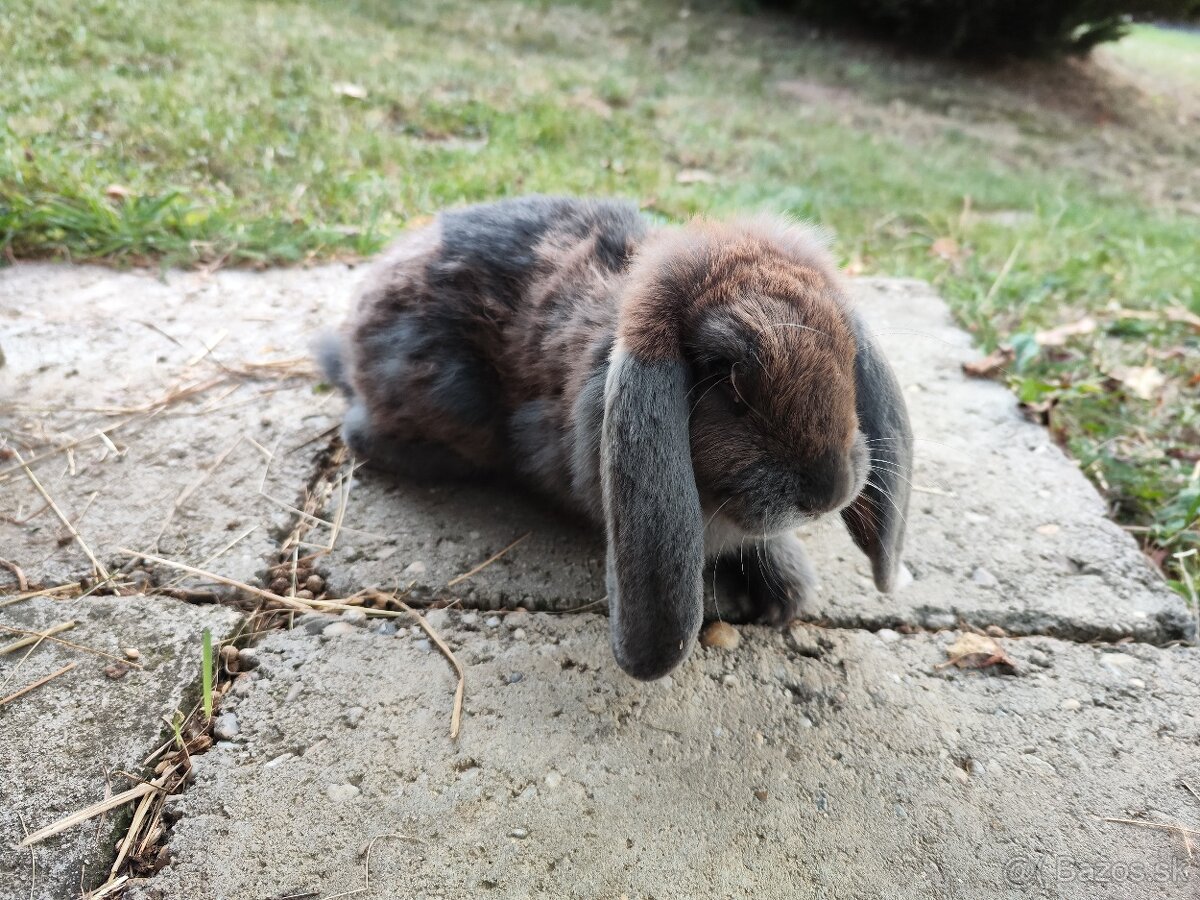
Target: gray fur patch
[(588, 417), (537, 447)]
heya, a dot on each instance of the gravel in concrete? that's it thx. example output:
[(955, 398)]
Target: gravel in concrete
[(822, 764), (63, 744)]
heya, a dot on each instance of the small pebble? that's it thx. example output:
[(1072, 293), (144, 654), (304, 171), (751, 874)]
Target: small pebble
[(961, 776), (721, 635), (304, 595), (226, 728), (1071, 704), (131, 653), (1039, 659), (354, 715), (984, 578), (355, 616), (337, 629), (519, 833), (247, 659), (415, 568), (730, 681), (116, 671), (340, 793), (1137, 683), (887, 635), (386, 628), (423, 645), (553, 780), (492, 621), (281, 586), (314, 583), (514, 677), (229, 656), (937, 621), (314, 623), (760, 794), (519, 634), (976, 768)]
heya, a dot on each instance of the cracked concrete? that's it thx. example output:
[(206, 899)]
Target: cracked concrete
[(61, 745), (824, 762)]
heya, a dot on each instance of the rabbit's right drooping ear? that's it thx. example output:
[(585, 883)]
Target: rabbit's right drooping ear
[(876, 519), (652, 513)]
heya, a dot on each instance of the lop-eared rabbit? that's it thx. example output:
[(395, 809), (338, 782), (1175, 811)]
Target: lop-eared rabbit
[(697, 390)]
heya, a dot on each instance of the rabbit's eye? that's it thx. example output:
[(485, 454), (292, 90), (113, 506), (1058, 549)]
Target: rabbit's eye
[(721, 375), (736, 397)]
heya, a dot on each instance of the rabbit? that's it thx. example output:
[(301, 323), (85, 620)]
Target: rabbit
[(700, 391)]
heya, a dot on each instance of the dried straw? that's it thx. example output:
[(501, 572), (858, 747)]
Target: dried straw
[(96, 809), (96, 564), (37, 637), (37, 684), (487, 562), (86, 649)]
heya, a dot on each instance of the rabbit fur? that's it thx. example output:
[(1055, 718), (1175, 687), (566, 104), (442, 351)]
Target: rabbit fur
[(699, 390)]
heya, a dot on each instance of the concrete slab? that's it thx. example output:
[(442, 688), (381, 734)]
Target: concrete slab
[(815, 764), (90, 350), (1003, 528), (62, 743)]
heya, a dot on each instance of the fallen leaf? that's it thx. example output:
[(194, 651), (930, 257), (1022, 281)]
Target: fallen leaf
[(1056, 337), (117, 192), (1144, 382), (978, 651), (695, 176), (991, 365), (1040, 411), (351, 90)]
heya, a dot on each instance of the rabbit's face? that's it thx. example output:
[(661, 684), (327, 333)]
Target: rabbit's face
[(774, 433)]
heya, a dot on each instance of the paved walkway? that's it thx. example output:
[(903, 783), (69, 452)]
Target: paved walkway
[(842, 758)]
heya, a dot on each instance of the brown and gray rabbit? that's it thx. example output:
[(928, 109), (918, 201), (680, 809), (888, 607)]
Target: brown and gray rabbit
[(692, 388)]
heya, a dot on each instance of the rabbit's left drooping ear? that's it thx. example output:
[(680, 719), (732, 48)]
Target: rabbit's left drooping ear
[(652, 514), (877, 517)]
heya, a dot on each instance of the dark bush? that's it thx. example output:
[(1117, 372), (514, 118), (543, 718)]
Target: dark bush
[(992, 28)]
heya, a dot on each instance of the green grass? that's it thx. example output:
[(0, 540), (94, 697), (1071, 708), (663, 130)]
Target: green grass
[(207, 671), (1172, 54), (234, 139)]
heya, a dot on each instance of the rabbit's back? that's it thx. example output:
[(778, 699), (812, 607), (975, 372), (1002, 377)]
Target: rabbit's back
[(481, 332)]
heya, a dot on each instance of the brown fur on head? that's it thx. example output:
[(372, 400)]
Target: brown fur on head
[(755, 310)]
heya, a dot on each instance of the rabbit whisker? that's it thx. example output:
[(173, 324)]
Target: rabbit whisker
[(891, 499)]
